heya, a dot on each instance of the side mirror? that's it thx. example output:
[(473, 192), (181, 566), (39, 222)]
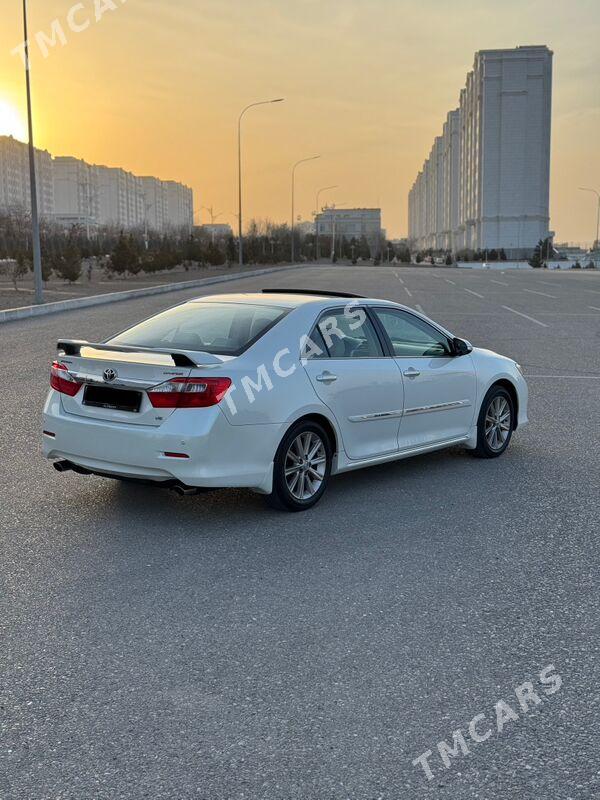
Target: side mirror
[(461, 347)]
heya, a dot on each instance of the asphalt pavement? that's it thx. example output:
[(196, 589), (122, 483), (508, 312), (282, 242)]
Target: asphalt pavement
[(209, 647)]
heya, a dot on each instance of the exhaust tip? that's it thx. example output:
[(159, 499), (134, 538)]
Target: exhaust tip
[(184, 491), (67, 466)]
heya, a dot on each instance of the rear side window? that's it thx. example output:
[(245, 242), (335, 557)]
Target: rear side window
[(348, 337), (219, 328), (314, 346)]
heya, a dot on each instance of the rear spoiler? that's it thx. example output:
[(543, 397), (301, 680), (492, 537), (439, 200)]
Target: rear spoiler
[(181, 358)]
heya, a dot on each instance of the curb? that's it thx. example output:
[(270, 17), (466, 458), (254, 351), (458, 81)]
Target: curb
[(28, 312)]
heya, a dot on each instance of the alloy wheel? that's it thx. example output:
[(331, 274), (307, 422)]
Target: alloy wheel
[(498, 423), (305, 465)]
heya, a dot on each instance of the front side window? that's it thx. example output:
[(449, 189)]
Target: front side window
[(411, 336), (219, 328), (349, 335)]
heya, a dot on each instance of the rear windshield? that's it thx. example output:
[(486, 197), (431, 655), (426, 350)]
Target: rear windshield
[(219, 328)]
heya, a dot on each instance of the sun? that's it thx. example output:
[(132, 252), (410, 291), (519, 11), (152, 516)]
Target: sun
[(11, 122)]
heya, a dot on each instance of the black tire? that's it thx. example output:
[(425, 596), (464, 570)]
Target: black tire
[(496, 397), (282, 497)]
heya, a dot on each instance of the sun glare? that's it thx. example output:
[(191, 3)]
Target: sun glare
[(11, 122)]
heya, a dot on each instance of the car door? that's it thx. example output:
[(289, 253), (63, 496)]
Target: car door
[(439, 387), (360, 384)]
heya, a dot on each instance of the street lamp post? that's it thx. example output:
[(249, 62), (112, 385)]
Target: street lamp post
[(35, 223), (248, 107), (597, 193), (297, 164), (318, 249), (213, 217)]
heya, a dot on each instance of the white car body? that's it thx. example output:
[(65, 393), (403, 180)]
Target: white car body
[(377, 409)]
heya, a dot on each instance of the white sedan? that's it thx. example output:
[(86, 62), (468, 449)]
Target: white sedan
[(275, 391)]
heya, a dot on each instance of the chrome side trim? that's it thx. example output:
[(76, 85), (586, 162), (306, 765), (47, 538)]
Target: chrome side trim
[(437, 407), (376, 415)]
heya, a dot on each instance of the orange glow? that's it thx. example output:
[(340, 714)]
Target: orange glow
[(157, 88), (11, 122)]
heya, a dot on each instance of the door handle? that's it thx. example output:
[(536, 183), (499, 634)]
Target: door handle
[(326, 377), (411, 372)]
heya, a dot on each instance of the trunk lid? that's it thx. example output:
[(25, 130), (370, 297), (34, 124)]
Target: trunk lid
[(115, 384)]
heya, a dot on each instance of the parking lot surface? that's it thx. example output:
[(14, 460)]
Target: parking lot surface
[(208, 647)]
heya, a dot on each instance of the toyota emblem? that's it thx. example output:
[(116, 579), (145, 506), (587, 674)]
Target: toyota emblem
[(110, 375)]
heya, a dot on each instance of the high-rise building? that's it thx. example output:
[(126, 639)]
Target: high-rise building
[(167, 204), (485, 184), (73, 192), (76, 192), (15, 187), (180, 205), (156, 212), (121, 198)]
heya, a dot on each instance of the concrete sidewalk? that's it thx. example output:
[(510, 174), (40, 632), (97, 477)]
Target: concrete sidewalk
[(10, 314)]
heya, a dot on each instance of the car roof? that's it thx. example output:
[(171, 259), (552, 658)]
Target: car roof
[(288, 300)]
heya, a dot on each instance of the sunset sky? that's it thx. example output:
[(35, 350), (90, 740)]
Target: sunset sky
[(156, 86)]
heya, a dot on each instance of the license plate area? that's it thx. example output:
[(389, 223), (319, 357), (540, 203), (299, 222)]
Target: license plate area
[(111, 398)]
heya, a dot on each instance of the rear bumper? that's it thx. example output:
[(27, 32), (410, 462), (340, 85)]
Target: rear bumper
[(220, 454)]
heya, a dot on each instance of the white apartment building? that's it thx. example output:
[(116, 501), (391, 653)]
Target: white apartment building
[(180, 205), (15, 193), (73, 192), (486, 182), (156, 212), (351, 223), (121, 198), (76, 192)]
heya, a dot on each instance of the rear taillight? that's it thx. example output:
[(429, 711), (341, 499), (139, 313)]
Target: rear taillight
[(189, 392), (62, 380)]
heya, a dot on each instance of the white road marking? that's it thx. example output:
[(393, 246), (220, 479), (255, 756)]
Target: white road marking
[(531, 319), (449, 281), (400, 279), (594, 308), (408, 292), (418, 307), (470, 291), (569, 377), (543, 294), (500, 283)]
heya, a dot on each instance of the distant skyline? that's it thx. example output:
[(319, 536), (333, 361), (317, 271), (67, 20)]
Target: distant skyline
[(156, 88)]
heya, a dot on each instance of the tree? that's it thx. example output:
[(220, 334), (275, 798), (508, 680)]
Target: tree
[(214, 256), (493, 255), (449, 261), (69, 266), (543, 250), (418, 258), (502, 254), (123, 255), (19, 269), (230, 250), (539, 253), (403, 254)]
